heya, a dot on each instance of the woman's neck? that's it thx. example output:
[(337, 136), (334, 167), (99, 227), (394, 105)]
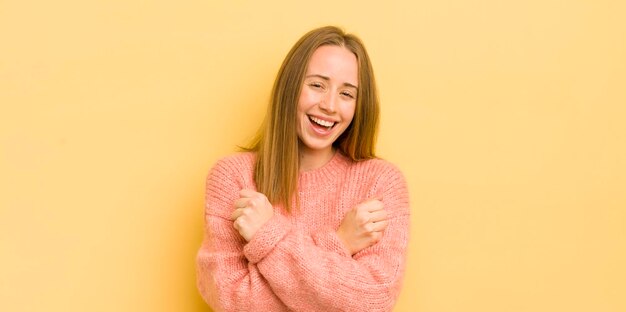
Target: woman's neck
[(313, 159)]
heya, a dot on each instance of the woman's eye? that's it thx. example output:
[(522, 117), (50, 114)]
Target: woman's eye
[(348, 94), (316, 85)]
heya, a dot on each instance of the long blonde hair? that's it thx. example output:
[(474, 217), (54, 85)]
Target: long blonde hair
[(276, 143)]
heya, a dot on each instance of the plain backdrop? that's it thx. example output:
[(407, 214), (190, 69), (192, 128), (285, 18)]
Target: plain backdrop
[(508, 119)]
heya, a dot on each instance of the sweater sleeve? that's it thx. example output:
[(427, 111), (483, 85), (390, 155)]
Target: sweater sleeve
[(226, 280), (307, 277)]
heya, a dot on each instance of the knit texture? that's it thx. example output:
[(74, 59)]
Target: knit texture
[(296, 261)]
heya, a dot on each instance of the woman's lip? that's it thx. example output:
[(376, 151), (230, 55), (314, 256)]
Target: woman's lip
[(319, 130), (323, 118)]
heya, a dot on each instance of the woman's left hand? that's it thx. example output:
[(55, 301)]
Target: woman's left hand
[(252, 210)]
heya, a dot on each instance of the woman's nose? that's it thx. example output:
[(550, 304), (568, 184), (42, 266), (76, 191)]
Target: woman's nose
[(328, 103)]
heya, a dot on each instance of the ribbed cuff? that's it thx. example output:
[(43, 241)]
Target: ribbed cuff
[(329, 240), (266, 238)]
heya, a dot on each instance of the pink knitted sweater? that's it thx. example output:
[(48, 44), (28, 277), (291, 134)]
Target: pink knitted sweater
[(296, 261)]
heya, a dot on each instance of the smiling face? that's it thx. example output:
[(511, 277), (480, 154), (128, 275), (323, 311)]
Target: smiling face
[(328, 99)]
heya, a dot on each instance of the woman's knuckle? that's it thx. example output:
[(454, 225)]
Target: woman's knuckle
[(376, 237), (368, 227)]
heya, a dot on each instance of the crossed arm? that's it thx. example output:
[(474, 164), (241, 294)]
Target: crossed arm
[(253, 259)]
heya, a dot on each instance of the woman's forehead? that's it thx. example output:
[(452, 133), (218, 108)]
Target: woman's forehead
[(334, 62)]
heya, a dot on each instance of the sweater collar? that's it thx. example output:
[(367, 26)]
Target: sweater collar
[(335, 165)]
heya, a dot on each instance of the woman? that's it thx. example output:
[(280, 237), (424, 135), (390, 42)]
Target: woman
[(308, 219)]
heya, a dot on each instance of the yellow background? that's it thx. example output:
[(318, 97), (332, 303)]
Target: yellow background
[(508, 119)]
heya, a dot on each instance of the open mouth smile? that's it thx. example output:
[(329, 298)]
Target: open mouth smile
[(322, 123)]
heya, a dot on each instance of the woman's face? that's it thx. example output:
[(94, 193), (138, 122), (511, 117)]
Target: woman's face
[(328, 98)]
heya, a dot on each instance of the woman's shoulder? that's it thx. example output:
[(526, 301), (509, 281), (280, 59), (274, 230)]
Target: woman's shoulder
[(234, 163), (381, 178), (377, 167)]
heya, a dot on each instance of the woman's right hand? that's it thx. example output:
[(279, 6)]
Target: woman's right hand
[(363, 226)]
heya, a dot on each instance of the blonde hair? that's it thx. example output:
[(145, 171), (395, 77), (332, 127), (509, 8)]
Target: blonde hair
[(276, 143)]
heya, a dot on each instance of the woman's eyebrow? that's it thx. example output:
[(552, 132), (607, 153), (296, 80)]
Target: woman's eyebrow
[(347, 84)]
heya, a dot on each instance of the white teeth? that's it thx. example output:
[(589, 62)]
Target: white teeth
[(322, 123)]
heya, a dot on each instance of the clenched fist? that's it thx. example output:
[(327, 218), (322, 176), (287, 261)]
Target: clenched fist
[(363, 226), (252, 210)]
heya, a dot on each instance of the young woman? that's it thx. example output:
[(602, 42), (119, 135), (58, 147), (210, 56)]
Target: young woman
[(308, 219)]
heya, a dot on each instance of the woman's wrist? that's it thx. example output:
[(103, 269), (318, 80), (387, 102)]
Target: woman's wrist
[(344, 241)]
